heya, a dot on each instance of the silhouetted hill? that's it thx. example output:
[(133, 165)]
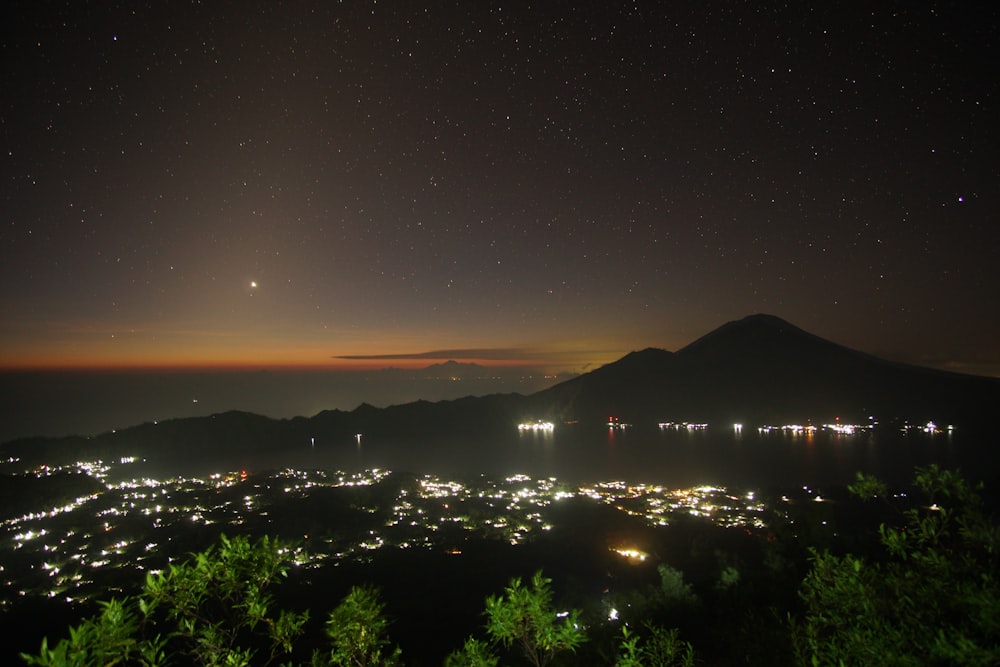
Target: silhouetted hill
[(760, 369), (232, 439), (632, 385), (763, 369)]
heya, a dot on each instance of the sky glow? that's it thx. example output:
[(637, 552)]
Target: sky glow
[(347, 185)]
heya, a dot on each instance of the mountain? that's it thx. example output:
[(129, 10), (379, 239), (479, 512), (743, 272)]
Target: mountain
[(762, 369), (756, 370), (449, 370)]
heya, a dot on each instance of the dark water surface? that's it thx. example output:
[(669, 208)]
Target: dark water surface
[(672, 458), (86, 403)]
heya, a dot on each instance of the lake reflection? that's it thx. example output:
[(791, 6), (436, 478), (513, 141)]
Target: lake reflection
[(675, 458)]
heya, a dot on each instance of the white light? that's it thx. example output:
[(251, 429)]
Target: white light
[(536, 426)]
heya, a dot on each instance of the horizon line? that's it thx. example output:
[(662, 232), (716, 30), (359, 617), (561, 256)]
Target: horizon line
[(360, 363)]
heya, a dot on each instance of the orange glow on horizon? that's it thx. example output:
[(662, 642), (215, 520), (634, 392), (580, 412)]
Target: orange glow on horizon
[(181, 365), (183, 351), (248, 365)]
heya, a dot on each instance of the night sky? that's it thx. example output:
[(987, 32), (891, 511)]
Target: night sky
[(320, 184)]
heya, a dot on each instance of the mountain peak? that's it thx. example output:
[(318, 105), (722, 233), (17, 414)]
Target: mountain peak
[(750, 334), (757, 321), (763, 368), (763, 318)]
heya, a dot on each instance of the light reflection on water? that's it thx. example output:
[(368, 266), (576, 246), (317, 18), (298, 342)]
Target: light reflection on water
[(674, 458)]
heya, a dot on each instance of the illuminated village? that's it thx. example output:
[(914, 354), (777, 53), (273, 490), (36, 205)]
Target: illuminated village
[(84, 548), (89, 545)]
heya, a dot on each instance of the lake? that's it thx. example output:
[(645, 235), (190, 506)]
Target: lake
[(718, 456)]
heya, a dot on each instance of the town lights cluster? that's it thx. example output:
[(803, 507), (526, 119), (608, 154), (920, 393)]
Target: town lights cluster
[(87, 541), (81, 549), (536, 426), (682, 426)]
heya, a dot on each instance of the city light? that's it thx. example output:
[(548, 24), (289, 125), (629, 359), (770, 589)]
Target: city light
[(131, 522), (536, 426)]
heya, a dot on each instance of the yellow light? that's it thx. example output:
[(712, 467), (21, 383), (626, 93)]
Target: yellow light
[(631, 554)]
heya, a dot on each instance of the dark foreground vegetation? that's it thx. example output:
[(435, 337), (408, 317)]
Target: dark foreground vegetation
[(877, 578)]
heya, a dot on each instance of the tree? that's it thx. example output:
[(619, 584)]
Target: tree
[(474, 653), (357, 629), (662, 648), (524, 616), (105, 639), (674, 592), (214, 609), (671, 602), (932, 599)]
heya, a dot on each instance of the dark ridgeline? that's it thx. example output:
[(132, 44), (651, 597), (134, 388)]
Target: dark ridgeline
[(760, 369)]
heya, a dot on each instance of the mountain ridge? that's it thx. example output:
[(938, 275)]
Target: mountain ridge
[(759, 369), (762, 368)]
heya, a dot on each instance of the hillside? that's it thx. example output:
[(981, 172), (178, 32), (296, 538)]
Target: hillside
[(763, 369), (759, 369)]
